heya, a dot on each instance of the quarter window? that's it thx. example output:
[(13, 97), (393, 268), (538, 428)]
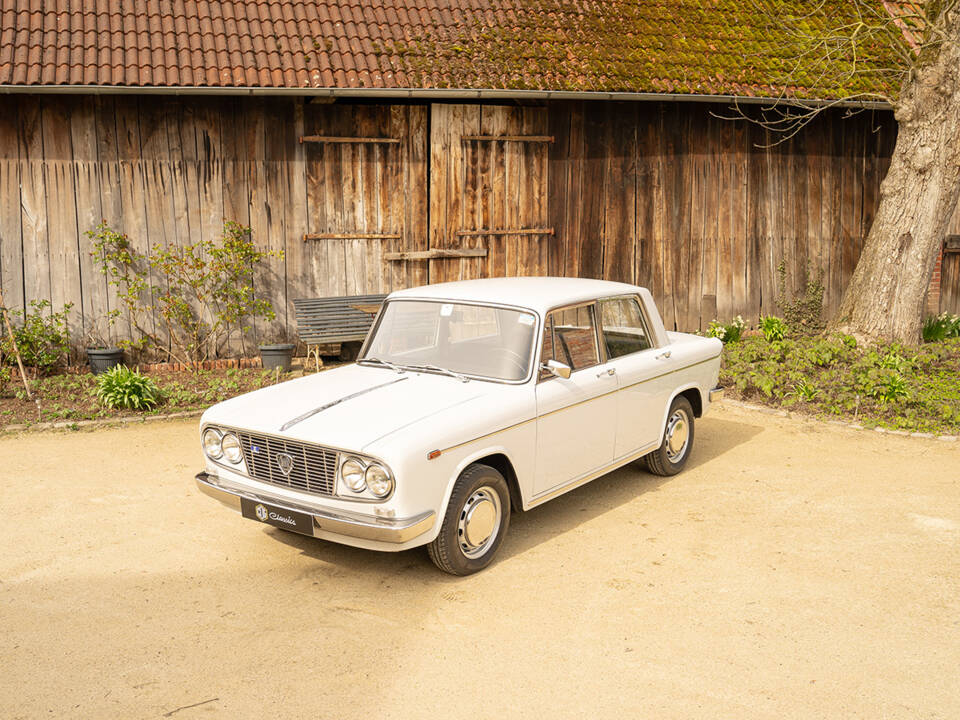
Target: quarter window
[(570, 337), (623, 329)]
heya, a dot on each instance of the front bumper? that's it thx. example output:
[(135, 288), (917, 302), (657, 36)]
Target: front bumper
[(327, 522), (716, 394)]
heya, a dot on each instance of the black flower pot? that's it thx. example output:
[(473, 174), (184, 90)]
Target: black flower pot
[(102, 359), (276, 356)]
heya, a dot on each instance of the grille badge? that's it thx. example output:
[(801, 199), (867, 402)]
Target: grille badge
[(285, 462)]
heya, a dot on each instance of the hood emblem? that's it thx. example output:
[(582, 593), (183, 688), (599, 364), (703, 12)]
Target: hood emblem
[(285, 462)]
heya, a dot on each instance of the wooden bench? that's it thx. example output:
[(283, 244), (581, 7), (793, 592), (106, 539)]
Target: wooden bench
[(327, 321)]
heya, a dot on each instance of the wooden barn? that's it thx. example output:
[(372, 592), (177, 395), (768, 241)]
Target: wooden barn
[(382, 145)]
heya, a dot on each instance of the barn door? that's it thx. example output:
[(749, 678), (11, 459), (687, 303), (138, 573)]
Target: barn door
[(488, 191), (366, 197)]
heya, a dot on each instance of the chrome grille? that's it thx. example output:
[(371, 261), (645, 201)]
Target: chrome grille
[(314, 468)]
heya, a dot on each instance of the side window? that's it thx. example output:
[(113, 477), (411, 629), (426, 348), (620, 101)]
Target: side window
[(570, 337), (623, 329)]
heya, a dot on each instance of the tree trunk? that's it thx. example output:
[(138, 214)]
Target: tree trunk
[(886, 294)]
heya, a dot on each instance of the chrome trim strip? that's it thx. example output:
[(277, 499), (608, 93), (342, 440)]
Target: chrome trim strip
[(591, 475), (579, 402), (338, 522), (310, 413)]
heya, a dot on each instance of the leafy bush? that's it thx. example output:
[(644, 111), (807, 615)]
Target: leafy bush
[(883, 384), (804, 313), (121, 387), (727, 333), (200, 293), (43, 337), (940, 327), (5, 376), (774, 329)]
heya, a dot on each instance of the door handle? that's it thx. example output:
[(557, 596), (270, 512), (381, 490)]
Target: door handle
[(664, 355), (608, 371)]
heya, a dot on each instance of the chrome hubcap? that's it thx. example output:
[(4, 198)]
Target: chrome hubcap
[(678, 433), (479, 522)]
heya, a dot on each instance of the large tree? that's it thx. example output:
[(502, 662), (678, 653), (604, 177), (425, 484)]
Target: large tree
[(910, 53)]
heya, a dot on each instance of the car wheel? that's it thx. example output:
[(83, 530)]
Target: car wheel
[(672, 454), (475, 524)]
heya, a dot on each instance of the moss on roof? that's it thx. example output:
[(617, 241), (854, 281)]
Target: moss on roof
[(713, 47)]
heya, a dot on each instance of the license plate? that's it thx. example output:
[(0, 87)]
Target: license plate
[(278, 517)]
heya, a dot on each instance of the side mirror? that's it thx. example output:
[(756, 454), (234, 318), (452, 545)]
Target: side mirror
[(555, 368)]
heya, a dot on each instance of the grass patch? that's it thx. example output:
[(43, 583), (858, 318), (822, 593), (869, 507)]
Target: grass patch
[(887, 385)]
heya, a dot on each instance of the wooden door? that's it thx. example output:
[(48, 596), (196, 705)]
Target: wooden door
[(366, 198), (488, 191)]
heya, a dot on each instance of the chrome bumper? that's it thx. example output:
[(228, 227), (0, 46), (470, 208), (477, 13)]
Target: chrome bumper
[(337, 522), (716, 395)]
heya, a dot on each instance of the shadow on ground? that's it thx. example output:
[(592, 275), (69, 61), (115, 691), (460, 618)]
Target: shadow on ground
[(715, 437)]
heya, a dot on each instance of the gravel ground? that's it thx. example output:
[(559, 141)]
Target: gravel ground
[(794, 570)]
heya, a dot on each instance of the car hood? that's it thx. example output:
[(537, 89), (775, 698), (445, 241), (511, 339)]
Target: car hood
[(347, 408)]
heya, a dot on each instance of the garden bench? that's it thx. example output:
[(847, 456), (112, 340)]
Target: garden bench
[(345, 320)]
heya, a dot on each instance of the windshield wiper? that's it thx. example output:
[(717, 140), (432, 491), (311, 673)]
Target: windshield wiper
[(378, 361), (437, 368)]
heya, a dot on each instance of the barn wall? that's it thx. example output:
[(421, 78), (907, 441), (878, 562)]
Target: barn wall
[(667, 195), (702, 210)]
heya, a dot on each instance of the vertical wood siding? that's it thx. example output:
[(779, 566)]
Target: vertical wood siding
[(699, 209), (702, 210)]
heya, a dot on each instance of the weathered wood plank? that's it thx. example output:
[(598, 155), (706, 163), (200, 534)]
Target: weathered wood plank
[(437, 253), (33, 206), (277, 114), (315, 273), (111, 199), (493, 121), (62, 209), (89, 212), (11, 250), (620, 203), (350, 140), (594, 194), (415, 226)]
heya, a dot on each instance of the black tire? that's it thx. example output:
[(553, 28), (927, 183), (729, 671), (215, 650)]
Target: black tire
[(482, 489), (667, 459)]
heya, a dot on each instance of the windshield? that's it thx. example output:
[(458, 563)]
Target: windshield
[(476, 340)]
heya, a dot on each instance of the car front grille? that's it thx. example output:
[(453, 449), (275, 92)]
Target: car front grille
[(313, 470)]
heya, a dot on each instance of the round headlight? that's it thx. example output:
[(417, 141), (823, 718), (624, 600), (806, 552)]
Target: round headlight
[(352, 474), (211, 444), (230, 446), (379, 480)]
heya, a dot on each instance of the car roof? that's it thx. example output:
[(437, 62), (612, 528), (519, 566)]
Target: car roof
[(536, 293)]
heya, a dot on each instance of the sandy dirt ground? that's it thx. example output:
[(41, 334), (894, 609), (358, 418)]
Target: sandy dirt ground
[(794, 570)]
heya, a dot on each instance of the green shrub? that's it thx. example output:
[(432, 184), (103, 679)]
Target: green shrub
[(43, 337), (805, 313), (5, 376), (727, 333), (940, 327), (774, 329), (121, 387), (200, 293)]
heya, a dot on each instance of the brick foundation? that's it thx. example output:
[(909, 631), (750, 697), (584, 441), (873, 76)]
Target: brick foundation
[(933, 291)]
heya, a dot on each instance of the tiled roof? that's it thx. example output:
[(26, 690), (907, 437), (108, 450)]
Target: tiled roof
[(724, 47)]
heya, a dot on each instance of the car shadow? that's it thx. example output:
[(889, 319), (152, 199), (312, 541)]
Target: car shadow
[(529, 529)]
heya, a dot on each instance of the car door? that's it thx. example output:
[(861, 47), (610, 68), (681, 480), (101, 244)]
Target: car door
[(576, 416), (643, 387)]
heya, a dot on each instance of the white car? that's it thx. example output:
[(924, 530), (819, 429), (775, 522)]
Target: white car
[(469, 400)]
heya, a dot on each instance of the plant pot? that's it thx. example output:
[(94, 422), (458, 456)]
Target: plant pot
[(102, 359), (276, 356)]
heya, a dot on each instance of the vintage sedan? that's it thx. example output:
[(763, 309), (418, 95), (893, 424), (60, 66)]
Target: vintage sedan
[(469, 400)]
